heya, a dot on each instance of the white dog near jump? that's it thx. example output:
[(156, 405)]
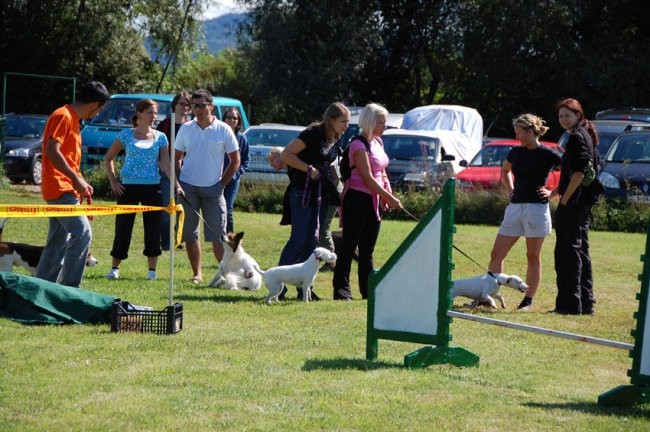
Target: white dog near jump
[(237, 268), (301, 275), (485, 288)]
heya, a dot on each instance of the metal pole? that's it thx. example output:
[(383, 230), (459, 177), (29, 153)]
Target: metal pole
[(541, 330), (172, 217)]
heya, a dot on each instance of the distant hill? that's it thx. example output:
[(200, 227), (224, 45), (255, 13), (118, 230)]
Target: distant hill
[(220, 32)]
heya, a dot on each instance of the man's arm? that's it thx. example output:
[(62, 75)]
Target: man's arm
[(53, 153)]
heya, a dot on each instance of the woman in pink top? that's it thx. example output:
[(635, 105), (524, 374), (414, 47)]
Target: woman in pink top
[(366, 193)]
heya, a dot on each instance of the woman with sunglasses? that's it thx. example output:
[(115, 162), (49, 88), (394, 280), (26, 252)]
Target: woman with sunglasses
[(181, 111), (232, 118)]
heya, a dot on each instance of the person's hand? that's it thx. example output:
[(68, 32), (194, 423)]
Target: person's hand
[(394, 203), (117, 187), (180, 191), (82, 187), (543, 192), (314, 174)]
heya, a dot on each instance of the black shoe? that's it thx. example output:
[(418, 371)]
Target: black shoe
[(282, 294), (563, 312), (314, 297), (326, 267)]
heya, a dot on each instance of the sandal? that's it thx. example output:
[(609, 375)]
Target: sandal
[(196, 280)]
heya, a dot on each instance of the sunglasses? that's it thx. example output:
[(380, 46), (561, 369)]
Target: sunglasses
[(200, 105)]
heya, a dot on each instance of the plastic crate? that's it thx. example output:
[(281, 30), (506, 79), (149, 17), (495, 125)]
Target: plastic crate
[(126, 317)]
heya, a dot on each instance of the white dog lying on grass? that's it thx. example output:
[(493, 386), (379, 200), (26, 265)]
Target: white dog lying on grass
[(485, 288), (236, 270), (301, 275)]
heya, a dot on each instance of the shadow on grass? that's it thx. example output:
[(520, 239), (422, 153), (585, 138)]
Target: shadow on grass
[(593, 408), (346, 364), (220, 298)]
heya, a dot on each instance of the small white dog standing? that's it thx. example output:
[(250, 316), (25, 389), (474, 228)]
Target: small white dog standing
[(237, 268), (485, 288), (301, 275)]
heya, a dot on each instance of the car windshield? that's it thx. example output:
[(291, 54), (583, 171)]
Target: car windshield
[(491, 155), (24, 127), (632, 148), (410, 147), (118, 112), (270, 137)]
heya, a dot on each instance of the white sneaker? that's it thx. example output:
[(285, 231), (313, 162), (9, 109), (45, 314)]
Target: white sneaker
[(113, 274), (151, 275)]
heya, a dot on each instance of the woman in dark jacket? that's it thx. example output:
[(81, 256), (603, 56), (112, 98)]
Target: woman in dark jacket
[(311, 186), (575, 294)]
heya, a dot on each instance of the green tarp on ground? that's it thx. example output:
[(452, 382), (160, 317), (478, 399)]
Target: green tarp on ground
[(33, 301)]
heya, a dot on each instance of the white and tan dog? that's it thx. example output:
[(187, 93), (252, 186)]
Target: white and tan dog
[(25, 255), (485, 288), (237, 268), (301, 275)]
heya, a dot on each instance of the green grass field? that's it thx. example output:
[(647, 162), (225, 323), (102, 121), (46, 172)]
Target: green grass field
[(239, 364)]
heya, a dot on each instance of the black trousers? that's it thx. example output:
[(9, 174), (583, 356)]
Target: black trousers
[(148, 195), (360, 228), (575, 283)]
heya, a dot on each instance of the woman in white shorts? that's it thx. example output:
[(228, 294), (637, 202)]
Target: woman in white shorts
[(523, 174)]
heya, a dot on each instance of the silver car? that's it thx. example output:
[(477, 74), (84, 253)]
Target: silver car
[(261, 139)]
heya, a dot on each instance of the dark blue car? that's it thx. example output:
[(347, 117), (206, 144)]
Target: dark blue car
[(23, 147), (626, 171)]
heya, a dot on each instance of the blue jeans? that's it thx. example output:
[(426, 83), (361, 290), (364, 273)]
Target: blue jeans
[(230, 194), (303, 238), (68, 241)]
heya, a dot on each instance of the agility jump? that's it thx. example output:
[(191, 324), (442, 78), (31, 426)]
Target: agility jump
[(424, 315)]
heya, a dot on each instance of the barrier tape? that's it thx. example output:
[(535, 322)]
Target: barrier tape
[(67, 210)]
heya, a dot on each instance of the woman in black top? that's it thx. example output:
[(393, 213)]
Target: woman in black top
[(311, 186), (575, 294), (528, 213)]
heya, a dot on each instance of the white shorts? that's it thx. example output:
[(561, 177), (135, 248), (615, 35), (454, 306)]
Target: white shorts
[(527, 220)]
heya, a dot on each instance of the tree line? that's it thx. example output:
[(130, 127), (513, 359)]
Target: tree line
[(293, 57)]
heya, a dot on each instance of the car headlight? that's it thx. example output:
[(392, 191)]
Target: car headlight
[(19, 152), (609, 181)]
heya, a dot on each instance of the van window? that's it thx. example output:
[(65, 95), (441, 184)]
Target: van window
[(119, 112)]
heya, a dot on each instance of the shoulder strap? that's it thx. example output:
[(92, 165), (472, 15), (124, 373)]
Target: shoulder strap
[(364, 141)]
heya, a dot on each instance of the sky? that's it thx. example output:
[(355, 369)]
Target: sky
[(221, 7)]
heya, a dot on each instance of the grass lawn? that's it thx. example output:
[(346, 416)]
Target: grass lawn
[(239, 364)]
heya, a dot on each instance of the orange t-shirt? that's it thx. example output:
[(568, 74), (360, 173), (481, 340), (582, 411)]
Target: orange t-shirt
[(63, 126)]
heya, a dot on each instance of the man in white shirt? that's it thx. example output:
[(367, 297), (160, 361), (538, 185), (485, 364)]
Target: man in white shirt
[(200, 148)]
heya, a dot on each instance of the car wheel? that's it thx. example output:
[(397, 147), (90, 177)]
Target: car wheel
[(37, 171)]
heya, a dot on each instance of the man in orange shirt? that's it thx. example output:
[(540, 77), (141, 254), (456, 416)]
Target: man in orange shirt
[(68, 238)]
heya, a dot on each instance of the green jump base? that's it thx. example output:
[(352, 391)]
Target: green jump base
[(432, 355), (625, 396)]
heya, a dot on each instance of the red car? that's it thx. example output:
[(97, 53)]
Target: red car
[(484, 171)]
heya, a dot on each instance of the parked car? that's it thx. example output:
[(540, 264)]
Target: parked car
[(417, 158), (261, 139), (626, 171), (626, 114), (99, 133), (608, 131), (483, 172), (394, 122), (23, 147)]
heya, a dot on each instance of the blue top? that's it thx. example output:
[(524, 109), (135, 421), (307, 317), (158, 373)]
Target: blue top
[(243, 155), (141, 161)]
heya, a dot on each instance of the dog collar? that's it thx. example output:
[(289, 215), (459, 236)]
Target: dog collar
[(318, 258), (491, 274)]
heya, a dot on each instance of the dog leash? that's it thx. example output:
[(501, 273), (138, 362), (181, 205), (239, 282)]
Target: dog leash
[(456, 247)]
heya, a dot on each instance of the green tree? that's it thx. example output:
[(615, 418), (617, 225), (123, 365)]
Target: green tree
[(99, 39)]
